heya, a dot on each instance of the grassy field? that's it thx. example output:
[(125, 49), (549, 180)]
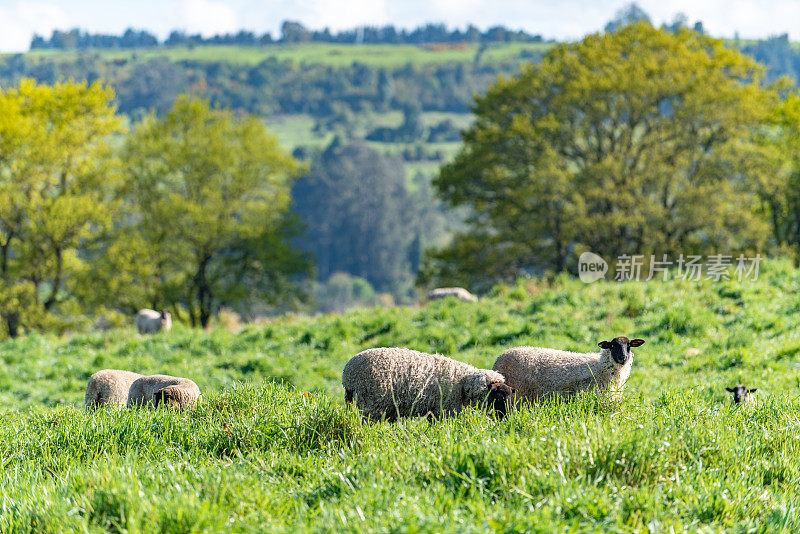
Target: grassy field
[(274, 448), (388, 55)]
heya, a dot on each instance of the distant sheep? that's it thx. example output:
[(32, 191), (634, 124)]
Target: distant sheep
[(157, 390), (457, 292), (540, 373), (741, 395), (396, 382), (109, 386), (151, 321)]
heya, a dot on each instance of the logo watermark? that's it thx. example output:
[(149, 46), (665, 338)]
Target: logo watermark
[(591, 267), (693, 268)]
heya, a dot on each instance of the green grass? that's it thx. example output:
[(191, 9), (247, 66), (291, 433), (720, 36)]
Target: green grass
[(387, 55), (273, 448)]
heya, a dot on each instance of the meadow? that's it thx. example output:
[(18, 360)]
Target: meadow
[(380, 55), (274, 448)]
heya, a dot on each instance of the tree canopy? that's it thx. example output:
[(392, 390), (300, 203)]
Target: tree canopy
[(632, 142), (207, 202), (56, 180)]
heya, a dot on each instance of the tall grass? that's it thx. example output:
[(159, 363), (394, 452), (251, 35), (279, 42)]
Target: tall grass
[(274, 448)]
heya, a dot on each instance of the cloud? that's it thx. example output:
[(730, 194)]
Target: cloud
[(208, 17), (342, 14), (18, 23)]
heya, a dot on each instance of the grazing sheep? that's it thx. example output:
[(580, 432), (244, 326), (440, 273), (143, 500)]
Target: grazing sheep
[(396, 382), (156, 390), (742, 395), (457, 292), (540, 373), (151, 321), (109, 386)]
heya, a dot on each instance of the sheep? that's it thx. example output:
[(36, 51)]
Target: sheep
[(155, 390), (457, 292), (109, 386), (397, 382), (538, 373), (151, 321), (741, 394)]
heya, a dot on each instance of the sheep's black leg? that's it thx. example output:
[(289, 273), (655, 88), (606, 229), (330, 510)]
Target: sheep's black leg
[(348, 395)]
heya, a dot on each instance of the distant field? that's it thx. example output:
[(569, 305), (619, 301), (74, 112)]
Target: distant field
[(297, 130), (274, 448), (329, 54)]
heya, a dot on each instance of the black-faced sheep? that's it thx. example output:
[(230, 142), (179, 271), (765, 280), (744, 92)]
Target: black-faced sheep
[(538, 373), (109, 386), (396, 382), (160, 390), (151, 321), (741, 394)]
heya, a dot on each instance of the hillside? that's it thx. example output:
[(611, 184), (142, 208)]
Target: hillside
[(337, 55), (273, 447)]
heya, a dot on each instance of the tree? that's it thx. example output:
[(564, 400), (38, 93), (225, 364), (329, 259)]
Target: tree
[(779, 186), (358, 216), (56, 179), (294, 32), (628, 142), (629, 14), (208, 201)]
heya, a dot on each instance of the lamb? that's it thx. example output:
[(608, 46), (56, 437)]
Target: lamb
[(457, 292), (742, 395), (109, 386), (157, 390), (151, 321), (538, 373), (397, 382)]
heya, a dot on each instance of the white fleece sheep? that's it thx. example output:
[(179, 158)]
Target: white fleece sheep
[(540, 373), (396, 382), (109, 386), (155, 390), (151, 321), (457, 292)]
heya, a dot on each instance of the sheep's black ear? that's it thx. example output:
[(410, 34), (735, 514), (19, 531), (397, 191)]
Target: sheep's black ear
[(636, 342), (604, 344), (731, 390), (753, 390)]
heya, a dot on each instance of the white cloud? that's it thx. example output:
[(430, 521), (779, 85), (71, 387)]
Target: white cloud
[(341, 14), (18, 23), (208, 17), (567, 19)]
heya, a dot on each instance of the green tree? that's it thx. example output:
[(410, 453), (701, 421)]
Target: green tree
[(359, 216), (627, 142), (56, 180), (779, 185), (207, 197)]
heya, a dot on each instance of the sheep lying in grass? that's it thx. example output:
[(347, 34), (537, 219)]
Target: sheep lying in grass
[(457, 292), (540, 373), (396, 382), (742, 395), (157, 390), (109, 386), (151, 321)]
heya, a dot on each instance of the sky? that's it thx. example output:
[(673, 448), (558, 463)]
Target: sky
[(563, 19)]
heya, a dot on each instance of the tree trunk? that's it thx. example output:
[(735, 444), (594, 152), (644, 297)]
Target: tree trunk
[(51, 300), (12, 323), (203, 289)]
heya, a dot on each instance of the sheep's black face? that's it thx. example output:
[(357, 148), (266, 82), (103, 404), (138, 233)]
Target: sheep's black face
[(497, 400), (620, 348), (740, 393)]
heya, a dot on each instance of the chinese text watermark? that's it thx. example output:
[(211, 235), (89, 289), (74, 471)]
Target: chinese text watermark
[(715, 267)]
